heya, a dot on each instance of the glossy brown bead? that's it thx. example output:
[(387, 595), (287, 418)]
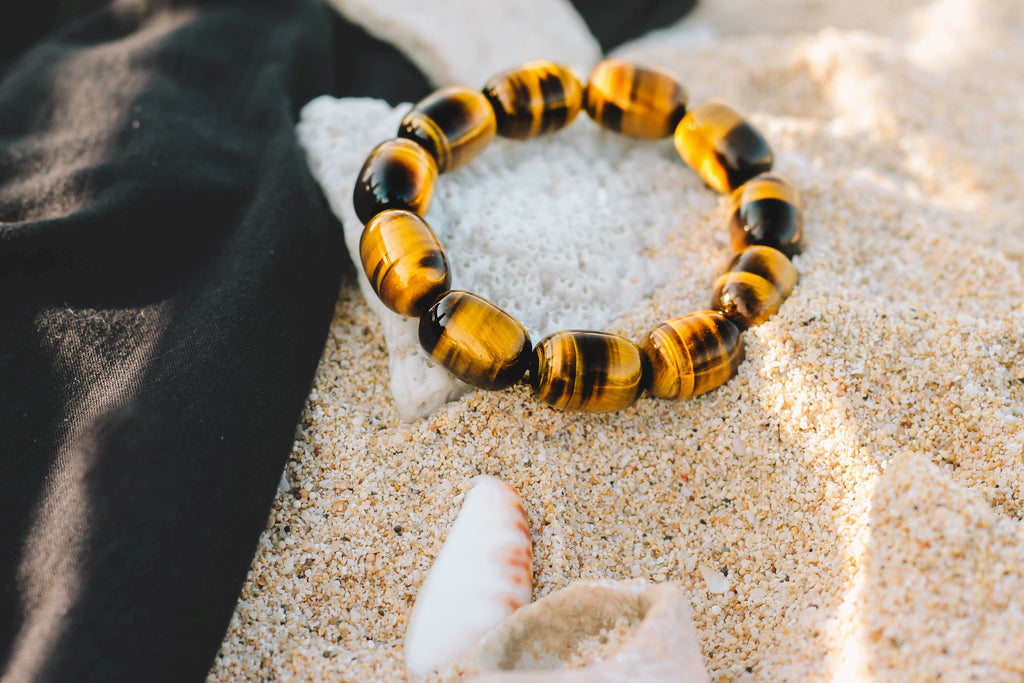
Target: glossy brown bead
[(404, 261), (692, 354), (594, 372), (453, 124), (398, 174), (767, 210), (634, 100), (535, 98), (759, 279), (478, 342), (721, 146)]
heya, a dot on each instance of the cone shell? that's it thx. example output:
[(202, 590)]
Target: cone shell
[(483, 573)]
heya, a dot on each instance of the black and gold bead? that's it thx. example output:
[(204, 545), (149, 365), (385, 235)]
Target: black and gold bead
[(453, 124), (398, 174), (594, 372), (767, 210), (721, 145), (638, 101), (478, 342), (759, 279), (692, 354), (404, 261), (535, 98)]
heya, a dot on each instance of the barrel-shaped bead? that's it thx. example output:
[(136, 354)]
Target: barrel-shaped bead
[(593, 372), (634, 100), (398, 174), (535, 98), (478, 342), (404, 261), (767, 210), (453, 124), (721, 145), (692, 354), (759, 279)]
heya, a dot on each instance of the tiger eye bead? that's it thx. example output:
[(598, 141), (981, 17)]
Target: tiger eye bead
[(452, 124), (593, 372), (535, 98), (692, 354), (478, 342), (404, 261), (721, 146), (398, 174), (767, 210), (759, 279), (634, 100)]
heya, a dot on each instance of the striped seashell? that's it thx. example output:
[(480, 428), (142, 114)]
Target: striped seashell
[(483, 573)]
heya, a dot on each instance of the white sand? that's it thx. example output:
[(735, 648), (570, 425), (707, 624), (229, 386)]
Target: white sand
[(849, 506)]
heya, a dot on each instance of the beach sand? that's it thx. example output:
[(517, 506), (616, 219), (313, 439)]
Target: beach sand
[(849, 506)]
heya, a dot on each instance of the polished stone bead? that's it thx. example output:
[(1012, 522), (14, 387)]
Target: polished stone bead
[(638, 101), (404, 261), (721, 146), (453, 124), (594, 372), (767, 210), (535, 98), (478, 342), (692, 354), (759, 279), (398, 174)]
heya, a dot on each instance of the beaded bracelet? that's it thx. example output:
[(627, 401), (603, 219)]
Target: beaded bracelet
[(573, 369)]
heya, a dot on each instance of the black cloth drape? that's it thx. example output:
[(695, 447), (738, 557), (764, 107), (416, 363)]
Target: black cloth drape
[(168, 269)]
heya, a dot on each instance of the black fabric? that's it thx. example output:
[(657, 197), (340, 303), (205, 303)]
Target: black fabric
[(168, 270), (614, 23)]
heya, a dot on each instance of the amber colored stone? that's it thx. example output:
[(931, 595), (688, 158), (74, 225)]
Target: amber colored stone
[(759, 279), (721, 146), (453, 124), (594, 372), (692, 354), (478, 342), (634, 100), (404, 261), (398, 174), (767, 210), (535, 98)]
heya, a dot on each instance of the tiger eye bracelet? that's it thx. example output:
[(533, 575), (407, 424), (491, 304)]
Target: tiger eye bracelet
[(574, 369)]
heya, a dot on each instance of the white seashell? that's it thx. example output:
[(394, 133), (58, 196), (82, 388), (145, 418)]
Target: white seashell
[(483, 573), (534, 644)]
